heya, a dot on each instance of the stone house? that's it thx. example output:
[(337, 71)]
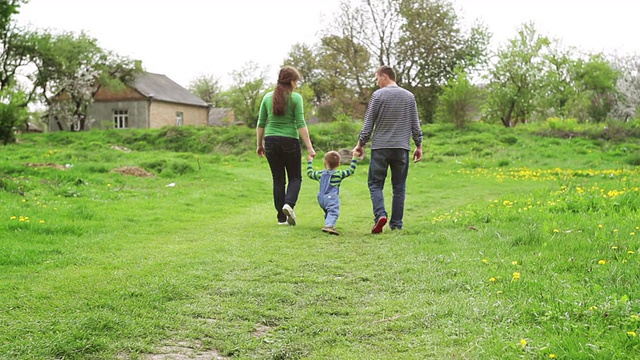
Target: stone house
[(150, 101)]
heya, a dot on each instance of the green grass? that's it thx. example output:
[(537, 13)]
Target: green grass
[(515, 246)]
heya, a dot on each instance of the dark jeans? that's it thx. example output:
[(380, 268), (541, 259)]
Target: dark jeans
[(381, 161), (283, 154)]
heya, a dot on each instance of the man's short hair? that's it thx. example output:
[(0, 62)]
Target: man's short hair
[(333, 159), (387, 70)]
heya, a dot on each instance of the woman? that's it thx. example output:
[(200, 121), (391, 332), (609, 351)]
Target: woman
[(280, 125)]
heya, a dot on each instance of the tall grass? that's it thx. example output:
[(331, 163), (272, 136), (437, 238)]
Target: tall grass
[(515, 246)]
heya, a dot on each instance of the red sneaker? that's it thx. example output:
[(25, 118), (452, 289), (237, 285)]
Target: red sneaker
[(377, 228)]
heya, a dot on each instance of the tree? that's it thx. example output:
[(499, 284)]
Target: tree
[(12, 113), (208, 88), (306, 59), (70, 69), (245, 96), (516, 79), (13, 45), (348, 73), (596, 79), (559, 94), (627, 87), (431, 45), (459, 100)]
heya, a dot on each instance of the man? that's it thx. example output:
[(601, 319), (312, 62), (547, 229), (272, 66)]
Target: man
[(390, 122)]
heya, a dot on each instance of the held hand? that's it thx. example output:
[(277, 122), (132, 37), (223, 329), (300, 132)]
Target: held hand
[(260, 151), (417, 155), (309, 158), (312, 154), (358, 149)]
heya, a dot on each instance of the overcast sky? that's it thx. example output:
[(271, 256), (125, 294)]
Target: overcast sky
[(187, 38)]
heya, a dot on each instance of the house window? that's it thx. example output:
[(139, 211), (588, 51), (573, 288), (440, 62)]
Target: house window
[(179, 118), (120, 119)]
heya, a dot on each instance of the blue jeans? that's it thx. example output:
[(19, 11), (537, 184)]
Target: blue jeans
[(398, 161), (283, 154)]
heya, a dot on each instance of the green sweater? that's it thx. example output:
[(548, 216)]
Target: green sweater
[(282, 125)]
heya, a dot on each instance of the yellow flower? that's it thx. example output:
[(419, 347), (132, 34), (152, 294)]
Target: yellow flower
[(516, 276), (556, 230), (635, 317), (485, 261), (41, 221), (553, 356), (614, 247), (602, 262), (493, 279), (523, 342), (108, 185), (12, 218), (499, 292), (632, 333), (630, 252), (514, 263), (599, 226), (593, 308), (632, 233)]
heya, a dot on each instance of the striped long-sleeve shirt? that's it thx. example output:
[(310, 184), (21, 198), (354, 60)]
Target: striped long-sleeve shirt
[(336, 177), (391, 120)]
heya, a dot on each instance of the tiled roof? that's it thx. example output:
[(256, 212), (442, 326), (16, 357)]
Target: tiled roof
[(160, 87)]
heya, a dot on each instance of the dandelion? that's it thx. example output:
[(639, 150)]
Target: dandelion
[(108, 185), (12, 218), (499, 292), (624, 261), (632, 233), (41, 221), (516, 276), (514, 262), (593, 308), (599, 226), (553, 356), (485, 261), (635, 317), (615, 231), (602, 262), (493, 279), (523, 342), (556, 230), (632, 333), (630, 252), (614, 247)]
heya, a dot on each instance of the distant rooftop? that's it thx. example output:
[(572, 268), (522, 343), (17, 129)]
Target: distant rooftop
[(161, 88)]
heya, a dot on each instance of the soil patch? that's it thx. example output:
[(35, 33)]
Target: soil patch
[(133, 171)]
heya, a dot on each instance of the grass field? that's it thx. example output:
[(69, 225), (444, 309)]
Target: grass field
[(516, 246)]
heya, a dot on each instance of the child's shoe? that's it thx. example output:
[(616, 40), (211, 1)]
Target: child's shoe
[(331, 230)]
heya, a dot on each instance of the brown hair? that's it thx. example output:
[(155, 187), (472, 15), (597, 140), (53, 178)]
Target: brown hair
[(333, 159), (387, 70), (281, 94)]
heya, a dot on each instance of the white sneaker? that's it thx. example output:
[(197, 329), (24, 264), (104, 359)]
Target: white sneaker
[(291, 216), (283, 223)]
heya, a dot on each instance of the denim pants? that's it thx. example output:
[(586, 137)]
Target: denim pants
[(398, 161), (329, 199), (283, 154)]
